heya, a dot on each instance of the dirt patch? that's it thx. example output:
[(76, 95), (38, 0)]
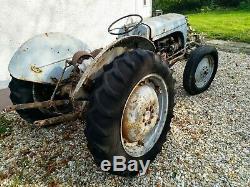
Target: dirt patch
[(4, 98)]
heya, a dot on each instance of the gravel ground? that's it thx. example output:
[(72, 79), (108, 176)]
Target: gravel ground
[(209, 143)]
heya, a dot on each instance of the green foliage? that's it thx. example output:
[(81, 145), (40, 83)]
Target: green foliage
[(196, 5), (231, 3), (176, 5), (245, 5)]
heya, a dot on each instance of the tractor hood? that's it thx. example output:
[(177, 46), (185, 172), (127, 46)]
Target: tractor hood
[(166, 24)]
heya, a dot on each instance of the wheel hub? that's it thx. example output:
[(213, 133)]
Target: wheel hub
[(204, 71), (141, 113), (144, 115)]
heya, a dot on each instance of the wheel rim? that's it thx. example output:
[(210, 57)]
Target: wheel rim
[(204, 71), (144, 115)]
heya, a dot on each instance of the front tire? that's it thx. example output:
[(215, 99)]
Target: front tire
[(200, 69), (132, 72)]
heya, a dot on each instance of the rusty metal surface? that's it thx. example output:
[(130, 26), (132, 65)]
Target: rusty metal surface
[(172, 60), (56, 120), (96, 52), (140, 114), (80, 56), (43, 57), (108, 54), (44, 104), (144, 115), (36, 69)]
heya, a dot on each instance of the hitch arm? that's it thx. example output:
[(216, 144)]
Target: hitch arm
[(59, 119), (44, 104)]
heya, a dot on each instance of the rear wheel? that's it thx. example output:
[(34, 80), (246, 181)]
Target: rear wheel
[(131, 107), (21, 92)]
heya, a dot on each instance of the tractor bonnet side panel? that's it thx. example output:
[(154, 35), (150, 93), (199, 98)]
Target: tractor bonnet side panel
[(164, 25)]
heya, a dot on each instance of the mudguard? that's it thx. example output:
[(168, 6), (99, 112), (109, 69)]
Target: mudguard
[(42, 58), (107, 55)]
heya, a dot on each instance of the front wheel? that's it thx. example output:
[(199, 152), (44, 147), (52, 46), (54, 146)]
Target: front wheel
[(200, 69), (131, 107)]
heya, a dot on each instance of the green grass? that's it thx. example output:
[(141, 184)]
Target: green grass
[(223, 24)]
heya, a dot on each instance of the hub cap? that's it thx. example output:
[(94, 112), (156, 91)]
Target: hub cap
[(144, 115), (204, 71)]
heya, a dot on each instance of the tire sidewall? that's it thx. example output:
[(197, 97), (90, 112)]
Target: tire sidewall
[(152, 67), (195, 59)]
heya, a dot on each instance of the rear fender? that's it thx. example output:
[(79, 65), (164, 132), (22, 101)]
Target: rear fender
[(107, 55), (42, 58)]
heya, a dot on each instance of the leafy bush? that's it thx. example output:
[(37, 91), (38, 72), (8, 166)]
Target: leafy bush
[(245, 5), (231, 3), (195, 5), (177, 5)]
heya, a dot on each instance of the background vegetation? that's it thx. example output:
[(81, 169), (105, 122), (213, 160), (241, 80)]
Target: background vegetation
[(223, 24), (217, 19), (198, 5)]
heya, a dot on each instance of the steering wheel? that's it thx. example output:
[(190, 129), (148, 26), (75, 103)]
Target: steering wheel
[(127, 28)]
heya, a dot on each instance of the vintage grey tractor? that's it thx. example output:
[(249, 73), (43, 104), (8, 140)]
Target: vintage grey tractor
[(124, 91)]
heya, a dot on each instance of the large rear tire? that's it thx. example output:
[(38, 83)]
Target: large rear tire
[(133, 72), (21, 92)]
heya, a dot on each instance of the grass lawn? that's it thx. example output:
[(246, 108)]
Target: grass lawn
[(223, 24)]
